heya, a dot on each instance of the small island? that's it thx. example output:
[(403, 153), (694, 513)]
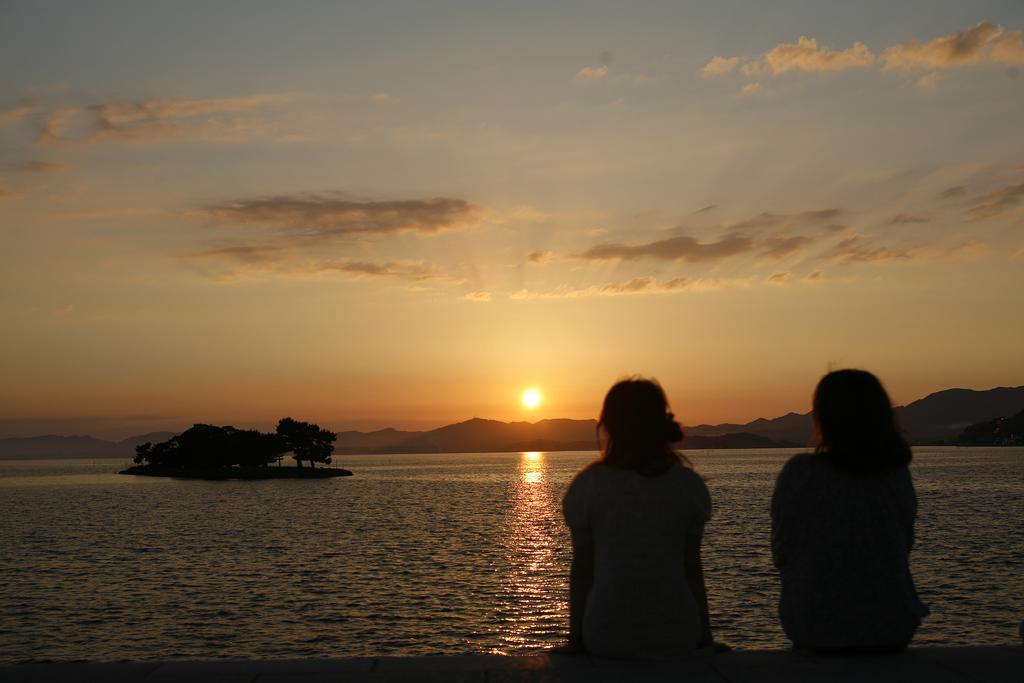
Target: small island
[(210, 452)]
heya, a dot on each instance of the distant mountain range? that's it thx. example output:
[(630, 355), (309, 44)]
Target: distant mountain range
[(935, 419), (75, 446), (491, 436)]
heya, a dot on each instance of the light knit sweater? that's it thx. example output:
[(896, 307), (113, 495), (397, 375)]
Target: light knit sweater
[(841, 542)]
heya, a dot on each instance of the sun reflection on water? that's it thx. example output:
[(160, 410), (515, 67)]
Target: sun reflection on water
[(532, 605)]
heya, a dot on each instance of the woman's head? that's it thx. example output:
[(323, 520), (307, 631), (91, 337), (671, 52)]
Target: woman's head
[(856, 424), (639, 426)]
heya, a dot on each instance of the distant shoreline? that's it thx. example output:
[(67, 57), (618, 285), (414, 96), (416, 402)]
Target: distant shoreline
[(360, 454)]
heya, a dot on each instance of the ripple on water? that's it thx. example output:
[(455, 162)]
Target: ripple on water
[(426, 555)]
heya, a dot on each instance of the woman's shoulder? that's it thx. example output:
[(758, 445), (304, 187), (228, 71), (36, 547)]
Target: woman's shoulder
[(591, 470), (696, 490), (576, 501), (586, 475), (801, 460), (802, 463), (687, 475), (799, 467)]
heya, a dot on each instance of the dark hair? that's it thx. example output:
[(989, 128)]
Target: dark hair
[(640, 428), (856, 424)]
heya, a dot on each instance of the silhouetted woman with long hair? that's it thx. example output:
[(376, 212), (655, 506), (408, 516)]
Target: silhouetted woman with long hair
[(637, 517), (843, 525)]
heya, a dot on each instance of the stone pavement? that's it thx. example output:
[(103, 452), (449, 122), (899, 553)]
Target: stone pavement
[(931, 665)]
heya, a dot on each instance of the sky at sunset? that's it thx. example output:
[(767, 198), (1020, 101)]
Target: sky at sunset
[(406, 213)]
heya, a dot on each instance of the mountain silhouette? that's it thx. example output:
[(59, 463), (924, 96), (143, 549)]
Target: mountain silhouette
[(940, 417), (52, 446), (483, 436), (935, 419), (790, 428), (368, 442), (491, 436)]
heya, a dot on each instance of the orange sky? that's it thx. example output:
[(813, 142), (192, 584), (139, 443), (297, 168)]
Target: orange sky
[(370, 220)]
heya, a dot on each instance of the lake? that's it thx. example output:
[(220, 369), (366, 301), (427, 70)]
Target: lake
[(427, 554)]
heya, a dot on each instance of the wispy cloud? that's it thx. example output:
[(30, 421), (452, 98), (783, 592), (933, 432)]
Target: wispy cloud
[(210, 130), (984, 43), (541, 256), (55, 122), (300, 236), (231, 263), (332, 215), (807, 55), (647, 285), (18, 112), (603, 73), (383, 98), (248, 254), (967, 250), (641, 285), (719, 66), (637, 285), (589, 74), (7, 193), (857, 249), (996, 203), (234, 262), (159, 119), (39, 167), (768, 219), (682, 248), (777, 247), (416, 271), (119, 114), (929, 82), (91, 213), (773, 235), (908, 219)]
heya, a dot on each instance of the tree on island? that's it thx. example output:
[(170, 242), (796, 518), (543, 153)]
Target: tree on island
[(306, 441), (210, 447)]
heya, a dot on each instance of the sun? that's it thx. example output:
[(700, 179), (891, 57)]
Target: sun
[(531, 399)]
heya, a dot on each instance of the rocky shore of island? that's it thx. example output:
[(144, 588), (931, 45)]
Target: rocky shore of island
[(246, 473)]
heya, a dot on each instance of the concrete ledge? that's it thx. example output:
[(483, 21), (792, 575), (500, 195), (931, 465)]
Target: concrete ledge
[(931, 665)]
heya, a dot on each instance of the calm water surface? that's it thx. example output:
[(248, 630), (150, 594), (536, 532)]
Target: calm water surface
[(422, 554)]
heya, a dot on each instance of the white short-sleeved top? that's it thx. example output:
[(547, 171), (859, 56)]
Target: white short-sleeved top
[(640, 604)]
